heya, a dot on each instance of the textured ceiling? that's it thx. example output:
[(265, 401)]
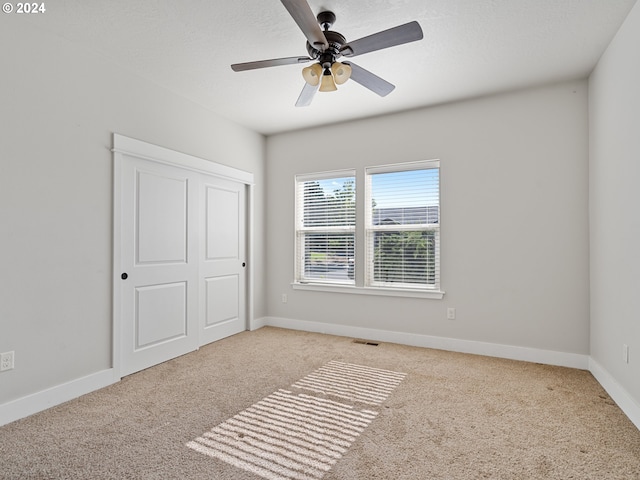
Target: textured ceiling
[(470, 48)]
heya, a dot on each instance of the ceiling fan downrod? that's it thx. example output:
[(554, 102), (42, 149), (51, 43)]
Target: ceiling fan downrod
[(326, 19)]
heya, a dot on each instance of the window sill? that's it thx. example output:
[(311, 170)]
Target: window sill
[(351, 289)]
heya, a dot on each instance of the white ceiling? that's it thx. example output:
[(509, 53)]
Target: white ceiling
[(470, 48)]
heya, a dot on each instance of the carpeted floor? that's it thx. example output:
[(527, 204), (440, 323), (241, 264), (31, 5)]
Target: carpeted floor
[(212, 414)]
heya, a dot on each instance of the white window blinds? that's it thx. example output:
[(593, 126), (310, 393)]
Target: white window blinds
[(403, 226), (325, 227)]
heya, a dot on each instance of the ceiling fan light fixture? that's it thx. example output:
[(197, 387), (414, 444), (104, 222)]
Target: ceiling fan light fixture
[(341, 72), (312, 74), (327, 83)]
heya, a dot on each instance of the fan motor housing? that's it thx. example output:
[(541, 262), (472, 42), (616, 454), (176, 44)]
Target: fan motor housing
[(335, 40)]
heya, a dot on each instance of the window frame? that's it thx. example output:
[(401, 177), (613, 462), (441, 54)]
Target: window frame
[(301, 230), (370, 229), (360, 284)]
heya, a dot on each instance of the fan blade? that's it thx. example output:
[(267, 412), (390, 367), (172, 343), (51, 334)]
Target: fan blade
[(239, 67), (369, 80), (409, 32), (307, 94), (306, 20)]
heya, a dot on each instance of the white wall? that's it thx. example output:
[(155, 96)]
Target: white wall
[(614, 112), (514, 188), (59, 106)]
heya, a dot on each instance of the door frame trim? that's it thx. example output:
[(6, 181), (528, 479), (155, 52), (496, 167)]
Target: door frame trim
[(127, 146)]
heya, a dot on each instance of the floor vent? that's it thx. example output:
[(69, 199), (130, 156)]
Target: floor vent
[(366, 342)]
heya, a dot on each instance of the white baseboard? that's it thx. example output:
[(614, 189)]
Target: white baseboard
[(257, 323), (37, 402), (548, 357), (619, 395)]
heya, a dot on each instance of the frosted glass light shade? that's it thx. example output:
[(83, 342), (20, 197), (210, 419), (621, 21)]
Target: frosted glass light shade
[(327, 84), (341, 72), (312, 74)]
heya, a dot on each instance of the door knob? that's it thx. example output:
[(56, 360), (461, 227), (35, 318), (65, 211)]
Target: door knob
[(124, 276), (244, 264)]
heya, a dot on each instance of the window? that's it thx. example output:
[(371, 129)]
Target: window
[(398, 225), (402, 226), (325, 228)]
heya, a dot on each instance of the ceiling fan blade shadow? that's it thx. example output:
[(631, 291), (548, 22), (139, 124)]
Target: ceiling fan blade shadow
[(409, 32), (239, 67), (369, 80), (306, 20), (307, 94)]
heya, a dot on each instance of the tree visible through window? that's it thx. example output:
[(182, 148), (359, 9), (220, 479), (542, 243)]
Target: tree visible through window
[(404, 257)]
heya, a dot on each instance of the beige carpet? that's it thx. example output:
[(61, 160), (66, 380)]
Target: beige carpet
[(433, 415), (292, 435)]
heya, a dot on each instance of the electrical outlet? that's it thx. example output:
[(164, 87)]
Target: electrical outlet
[(451, 313), (284, 298), (625, 353), (6, 361)]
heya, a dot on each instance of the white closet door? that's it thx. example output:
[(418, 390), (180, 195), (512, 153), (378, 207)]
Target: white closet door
[(159, 263), (223, 257)]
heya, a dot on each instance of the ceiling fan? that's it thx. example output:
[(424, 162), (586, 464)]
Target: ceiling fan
[(326, 46)]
